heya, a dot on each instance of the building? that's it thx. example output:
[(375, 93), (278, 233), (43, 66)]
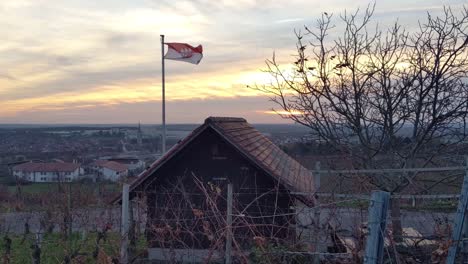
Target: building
[(109, 170), (139, 136), (47, 172), (133, 164), (265, 180)]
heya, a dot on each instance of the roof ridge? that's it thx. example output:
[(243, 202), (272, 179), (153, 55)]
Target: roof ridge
[(223, 119)]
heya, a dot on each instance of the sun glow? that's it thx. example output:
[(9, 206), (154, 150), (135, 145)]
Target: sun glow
[(207, 86), (284, 113)]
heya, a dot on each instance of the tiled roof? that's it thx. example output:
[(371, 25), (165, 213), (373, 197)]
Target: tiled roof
[(258, 148), (47, 167), (254, 146), (99, 163), (115, 166)]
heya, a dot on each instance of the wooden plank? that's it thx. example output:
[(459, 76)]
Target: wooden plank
[(228, 256), (376, 226), (316, 238), (125, 224), (460, 224)]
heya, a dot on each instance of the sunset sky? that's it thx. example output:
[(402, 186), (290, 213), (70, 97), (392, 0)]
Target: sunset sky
[(99, 61)]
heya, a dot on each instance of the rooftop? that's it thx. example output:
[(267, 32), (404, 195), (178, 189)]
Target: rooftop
[(47, 167), (253, 145), (112, 165)]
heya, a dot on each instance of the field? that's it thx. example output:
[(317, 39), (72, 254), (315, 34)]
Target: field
[(35, 188), (41, 196), (54, 248)]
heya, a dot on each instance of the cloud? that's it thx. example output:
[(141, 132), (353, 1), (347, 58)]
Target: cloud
[(289, 20), (149, 112), (74, 56), (7, 76)]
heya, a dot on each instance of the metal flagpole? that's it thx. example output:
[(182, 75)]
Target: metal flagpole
[(163, 98)]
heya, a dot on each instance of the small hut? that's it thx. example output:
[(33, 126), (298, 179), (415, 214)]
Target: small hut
[(185, 191)]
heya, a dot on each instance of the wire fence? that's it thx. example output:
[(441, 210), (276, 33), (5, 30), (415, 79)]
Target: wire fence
[(179, 223)]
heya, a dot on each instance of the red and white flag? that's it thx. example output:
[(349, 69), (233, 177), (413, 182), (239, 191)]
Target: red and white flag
[(184, 52)]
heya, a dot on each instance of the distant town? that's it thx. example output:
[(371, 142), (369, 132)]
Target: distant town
[(113, 153)]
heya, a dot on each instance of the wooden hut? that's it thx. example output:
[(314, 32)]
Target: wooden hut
[(185, 190)]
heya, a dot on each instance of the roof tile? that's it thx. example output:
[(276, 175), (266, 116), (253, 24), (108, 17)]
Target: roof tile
[(47, 167)]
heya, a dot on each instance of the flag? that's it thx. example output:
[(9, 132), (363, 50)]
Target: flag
[(184, 52)]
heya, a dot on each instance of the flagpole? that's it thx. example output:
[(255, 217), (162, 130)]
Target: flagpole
[(163, 98)]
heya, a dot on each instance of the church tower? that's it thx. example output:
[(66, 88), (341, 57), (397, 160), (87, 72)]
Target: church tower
[(139, 135)]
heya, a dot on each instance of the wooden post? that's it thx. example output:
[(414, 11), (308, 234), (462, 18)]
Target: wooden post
[(460, 228), (125, 224), (316, 238), (131, 232), (376, 226), (465, 221), (317, 175), (39, 237), (70, 221), (36, 247), (228, 253), (395, 213)]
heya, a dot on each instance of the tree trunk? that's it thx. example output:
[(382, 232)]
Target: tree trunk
[(395, 214)]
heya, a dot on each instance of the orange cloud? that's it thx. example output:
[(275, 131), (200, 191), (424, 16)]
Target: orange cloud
[(198, 86), (284, 113)]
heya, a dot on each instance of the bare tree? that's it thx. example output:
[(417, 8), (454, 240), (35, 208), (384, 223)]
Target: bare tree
[(379, 94)]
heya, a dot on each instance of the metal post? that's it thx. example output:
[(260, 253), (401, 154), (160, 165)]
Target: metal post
[(228, 253), (316, 238), (163, 97), (376, 226), (460, 228), (125, 224)]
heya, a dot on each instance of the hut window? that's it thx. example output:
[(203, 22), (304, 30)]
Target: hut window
[(217, 153)]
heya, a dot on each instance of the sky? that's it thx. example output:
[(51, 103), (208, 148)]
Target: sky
[(88, 61)]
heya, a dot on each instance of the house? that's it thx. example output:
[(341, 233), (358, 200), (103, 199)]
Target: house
[(133, 164), (47, 172), (188, 184), (109, 170)]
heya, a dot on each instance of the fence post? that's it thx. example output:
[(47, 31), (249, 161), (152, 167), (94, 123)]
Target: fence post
[(461, 225), (125, 224), (36, 249), (376, 225), (465, 226), (70, 221), (39, 237), (317, 175), (316, 238), (228, 253), (131, 231)]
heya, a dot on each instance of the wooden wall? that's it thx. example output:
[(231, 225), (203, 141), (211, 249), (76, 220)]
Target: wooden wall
[(178, 206)]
